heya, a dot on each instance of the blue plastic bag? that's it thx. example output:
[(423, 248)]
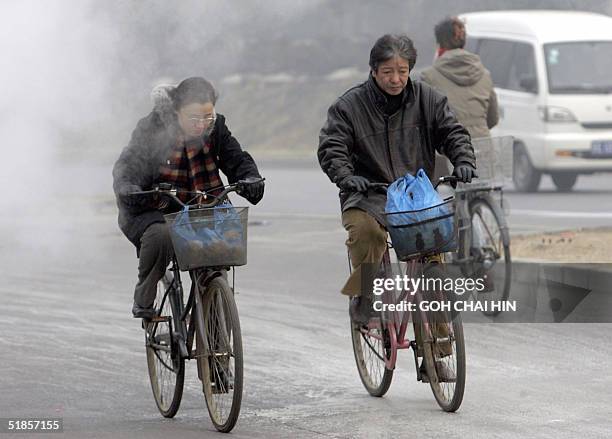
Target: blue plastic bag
[(228, 224), (209, 237), (184, 229), (419, 220)]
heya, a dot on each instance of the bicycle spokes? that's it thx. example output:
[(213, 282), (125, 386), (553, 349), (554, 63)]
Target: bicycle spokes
[(486, 235), (220, 355), (166, 367), (220, 345), (445, 358)]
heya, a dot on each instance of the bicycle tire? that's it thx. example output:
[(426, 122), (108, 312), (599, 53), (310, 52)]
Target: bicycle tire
[(487, 209), (166, 367), (371, 351), (448, 395), (219, 345), (369, 356)]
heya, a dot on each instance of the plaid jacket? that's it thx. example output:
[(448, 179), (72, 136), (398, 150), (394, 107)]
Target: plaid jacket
[(190, 167)]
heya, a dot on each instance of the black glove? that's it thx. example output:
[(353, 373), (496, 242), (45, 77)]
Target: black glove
[(125, 195), (253, 189), (354, 183), (465, 172)]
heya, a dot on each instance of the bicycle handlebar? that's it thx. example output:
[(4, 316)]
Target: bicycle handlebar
[(166, 189), (450, 179)]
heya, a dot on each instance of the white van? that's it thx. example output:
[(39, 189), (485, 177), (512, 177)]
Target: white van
[(553, 76)]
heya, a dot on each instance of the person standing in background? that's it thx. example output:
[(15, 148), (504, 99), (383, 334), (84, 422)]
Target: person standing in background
[(461, 76)]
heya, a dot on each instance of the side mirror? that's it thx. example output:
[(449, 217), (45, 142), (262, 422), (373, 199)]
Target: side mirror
[(529, 84)]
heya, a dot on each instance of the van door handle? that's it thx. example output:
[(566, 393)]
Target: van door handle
[(501, 112)]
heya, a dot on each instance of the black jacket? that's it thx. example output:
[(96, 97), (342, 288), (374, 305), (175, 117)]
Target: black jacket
[(359, 139), (149, 147)]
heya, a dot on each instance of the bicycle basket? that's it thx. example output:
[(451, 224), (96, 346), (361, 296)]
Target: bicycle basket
[(209, 237), (418, 233)]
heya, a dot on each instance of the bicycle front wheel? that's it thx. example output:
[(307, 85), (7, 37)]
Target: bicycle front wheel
[(491, 250), (220, 354), (444, 350), (166, 367)]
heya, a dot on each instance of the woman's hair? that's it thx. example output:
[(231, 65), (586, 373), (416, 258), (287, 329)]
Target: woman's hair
[(450, 33), (193, 90), (388, 46)]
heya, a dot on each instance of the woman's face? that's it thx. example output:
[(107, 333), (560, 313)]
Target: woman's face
[(195, 118)]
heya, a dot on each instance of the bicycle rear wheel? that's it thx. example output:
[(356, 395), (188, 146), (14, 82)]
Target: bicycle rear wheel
[(166, 367), (444, 351), (371, 346), (490, 246), (220, 354)]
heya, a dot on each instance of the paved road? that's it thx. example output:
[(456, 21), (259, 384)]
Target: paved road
[(68, 347)]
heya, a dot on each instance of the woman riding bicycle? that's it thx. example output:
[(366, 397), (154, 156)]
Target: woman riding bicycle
[(184, 142)]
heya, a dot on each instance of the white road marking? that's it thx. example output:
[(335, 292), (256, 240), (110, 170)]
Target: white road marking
[(560, 213)]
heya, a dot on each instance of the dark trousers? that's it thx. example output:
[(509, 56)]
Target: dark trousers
[(155, 255)]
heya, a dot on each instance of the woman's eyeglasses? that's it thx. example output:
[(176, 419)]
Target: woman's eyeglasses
[(202, 120)]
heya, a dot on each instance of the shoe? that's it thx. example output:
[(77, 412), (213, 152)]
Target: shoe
[(489, 283), (360, 309), (445, 375), (423, 372), (140, 312)]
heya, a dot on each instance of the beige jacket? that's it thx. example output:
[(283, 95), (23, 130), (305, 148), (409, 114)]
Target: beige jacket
[(461, 76)]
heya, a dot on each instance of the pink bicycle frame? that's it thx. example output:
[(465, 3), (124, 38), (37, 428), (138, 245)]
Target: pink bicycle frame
[(396, 322)]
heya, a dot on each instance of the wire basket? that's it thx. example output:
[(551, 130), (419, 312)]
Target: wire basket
[(494, 160), (418, 233), (209, 237)]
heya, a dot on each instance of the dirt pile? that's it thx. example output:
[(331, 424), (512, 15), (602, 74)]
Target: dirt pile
[(586, 245)]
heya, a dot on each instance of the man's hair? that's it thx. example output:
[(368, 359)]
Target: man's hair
[(450, 33), (193, 90), (388, 46)]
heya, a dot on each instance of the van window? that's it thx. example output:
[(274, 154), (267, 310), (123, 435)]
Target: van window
[(522, 66), (471, 44), (579, 67), (496, 56)]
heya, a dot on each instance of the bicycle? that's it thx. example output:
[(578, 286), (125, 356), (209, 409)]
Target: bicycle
[(210, 316), (484, 238), (442, 346)]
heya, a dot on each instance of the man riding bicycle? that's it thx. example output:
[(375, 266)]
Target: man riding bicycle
[(185, 143), (375, 133)]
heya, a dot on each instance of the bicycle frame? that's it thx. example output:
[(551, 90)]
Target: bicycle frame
[(183, 335), (396, 322), (397, 326), (464, 196)]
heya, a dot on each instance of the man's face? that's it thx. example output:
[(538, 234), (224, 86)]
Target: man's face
[(392, 75), (196, 118)]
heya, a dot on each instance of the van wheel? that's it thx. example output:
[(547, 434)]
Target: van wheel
[(564, 181), (526, 178)]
